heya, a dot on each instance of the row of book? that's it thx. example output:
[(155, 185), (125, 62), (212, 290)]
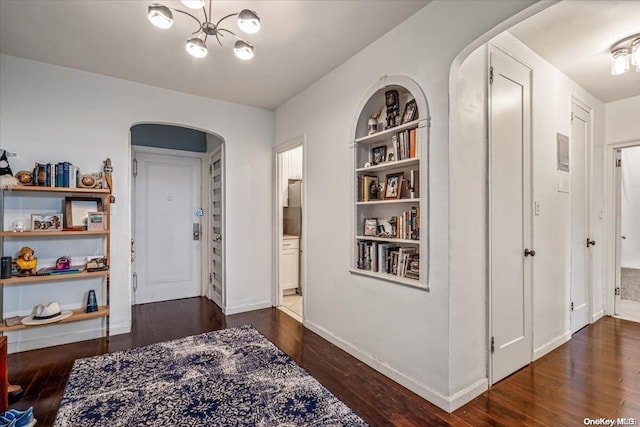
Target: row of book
[(406, 225), (405, 144), (62, 174), (388, 258)]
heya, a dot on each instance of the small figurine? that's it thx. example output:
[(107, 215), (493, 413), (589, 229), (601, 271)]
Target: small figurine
[(26, 262), (373, 123), (18, 225), (7, 179)]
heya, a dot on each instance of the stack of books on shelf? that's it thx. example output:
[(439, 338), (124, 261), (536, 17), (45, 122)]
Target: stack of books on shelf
[(406, 144), (366, 192), (407, 225), (62, 174), (388, 258)]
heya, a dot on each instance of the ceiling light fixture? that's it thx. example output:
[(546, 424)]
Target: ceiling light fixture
[(625, 52), (248, 21)]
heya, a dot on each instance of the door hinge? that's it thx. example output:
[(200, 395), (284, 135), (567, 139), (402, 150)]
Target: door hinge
[(490, 75), (135, 282), (135, 168), (571, 305), (210, 169), (572, 116), (493, 344), (618, 163), (210, 277), (617, 291)]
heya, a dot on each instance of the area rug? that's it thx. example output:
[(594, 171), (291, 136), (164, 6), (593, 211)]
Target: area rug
[(232, 377)]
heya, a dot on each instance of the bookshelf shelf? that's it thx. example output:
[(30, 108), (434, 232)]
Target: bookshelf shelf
[(42, 189), (390, 194), (64, 233), (78, 315)]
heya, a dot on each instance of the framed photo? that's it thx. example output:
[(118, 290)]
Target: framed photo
[(410, 111), (46, 222), (77, 211), (378, 154), (370, 227), (393, 185), (95, 221)]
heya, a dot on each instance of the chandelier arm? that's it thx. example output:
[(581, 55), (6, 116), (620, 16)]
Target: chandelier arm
[(218, 38), (225, 17), (227, 31), (188, 14)]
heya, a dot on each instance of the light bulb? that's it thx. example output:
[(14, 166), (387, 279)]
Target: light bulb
[(160, 16), (248, 21), (193, 4), (243, 50), (620, 61), (196, 47)]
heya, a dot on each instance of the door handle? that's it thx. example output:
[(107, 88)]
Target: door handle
[(590, 242), (196, 231), (623, 237), (528, 252)]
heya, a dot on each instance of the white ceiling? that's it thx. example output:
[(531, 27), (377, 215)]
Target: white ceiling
[(300, 41), (576, 37)]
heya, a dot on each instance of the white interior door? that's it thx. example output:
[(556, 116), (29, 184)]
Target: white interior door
[(216, 212), (510, 214), (167, 194), (580, 253)]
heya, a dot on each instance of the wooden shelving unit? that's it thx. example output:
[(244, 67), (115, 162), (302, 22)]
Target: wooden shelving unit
[(391, 256), (32, 198)]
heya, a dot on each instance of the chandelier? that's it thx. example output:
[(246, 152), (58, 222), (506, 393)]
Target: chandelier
[(623, 52), (248, 21)]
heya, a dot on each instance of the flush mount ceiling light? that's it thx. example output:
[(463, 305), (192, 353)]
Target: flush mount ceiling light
[(248, 21), (624, 53)]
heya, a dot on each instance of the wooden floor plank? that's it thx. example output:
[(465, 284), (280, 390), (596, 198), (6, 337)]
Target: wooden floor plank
[(596, 374)]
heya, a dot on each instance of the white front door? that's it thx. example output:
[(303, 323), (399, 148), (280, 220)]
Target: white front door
[(216, 211), (167, 256), (510, 214), (580, 252)]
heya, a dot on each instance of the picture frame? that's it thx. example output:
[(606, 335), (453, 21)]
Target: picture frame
[(96, 221), (393, 185), (77, 211), (370, 227), (47, 222), (410, 111), (378, 154)]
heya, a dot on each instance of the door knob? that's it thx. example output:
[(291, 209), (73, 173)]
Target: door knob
[(590, 242), (528, 252), (623, 237)]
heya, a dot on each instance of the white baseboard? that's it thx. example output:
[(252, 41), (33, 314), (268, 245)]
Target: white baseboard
[(246, 307), (467, 394), (123, 328), (551, 345), (399, 377), (597, 315), (19, 346)]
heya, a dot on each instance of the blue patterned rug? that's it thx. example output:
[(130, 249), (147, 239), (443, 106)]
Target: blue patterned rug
[(232, 377)]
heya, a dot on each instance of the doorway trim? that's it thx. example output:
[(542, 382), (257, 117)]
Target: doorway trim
[(609, 252), (278, 228), (204, 232)]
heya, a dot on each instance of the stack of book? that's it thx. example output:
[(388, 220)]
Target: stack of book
[(406, 144), (407, 225), (62, 174), (388, 258)]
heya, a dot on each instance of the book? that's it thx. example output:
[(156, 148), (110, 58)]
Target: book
[(65, 174)]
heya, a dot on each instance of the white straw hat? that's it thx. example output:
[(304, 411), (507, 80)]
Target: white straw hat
[(46, 313)]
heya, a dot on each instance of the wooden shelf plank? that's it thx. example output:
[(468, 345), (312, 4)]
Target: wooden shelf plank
[(78, 315), (64, 233), (389, 201), (388, 239), (414, 283), (42, 189), (383, 135), (53, 277), (390, 165)]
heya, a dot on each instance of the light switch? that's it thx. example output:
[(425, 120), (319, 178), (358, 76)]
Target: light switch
[(536, 205)]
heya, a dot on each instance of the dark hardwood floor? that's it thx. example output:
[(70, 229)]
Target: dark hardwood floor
[(596, 374)]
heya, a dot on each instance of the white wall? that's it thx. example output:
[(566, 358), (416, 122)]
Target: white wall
[(622, 120), (551, 99), (51, 113), (403, 332), (630, 256)]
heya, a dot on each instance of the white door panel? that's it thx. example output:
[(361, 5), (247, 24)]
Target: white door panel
[(510, 219), (167, 192), (580, 271)]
